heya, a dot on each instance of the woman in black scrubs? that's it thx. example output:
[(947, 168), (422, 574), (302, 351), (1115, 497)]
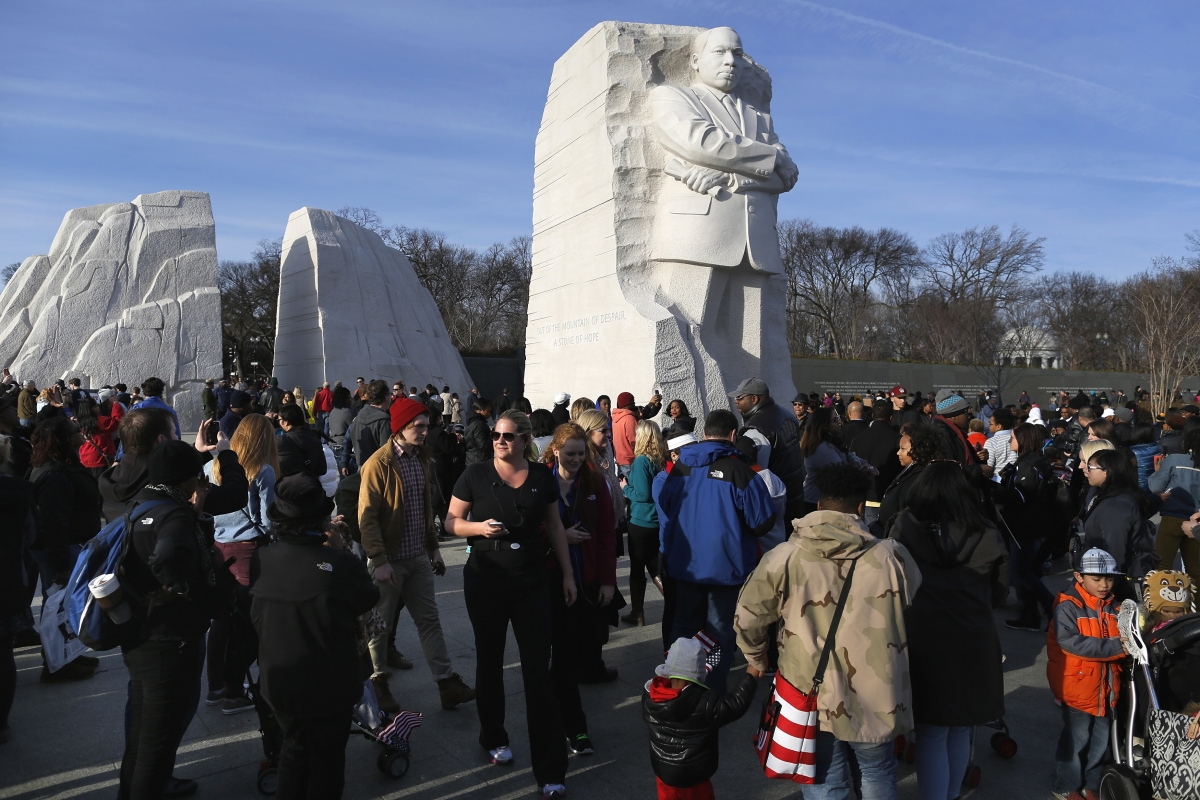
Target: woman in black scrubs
[(501, 506)]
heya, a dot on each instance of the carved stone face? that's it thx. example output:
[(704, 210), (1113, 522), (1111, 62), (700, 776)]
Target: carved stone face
[(718, 63)]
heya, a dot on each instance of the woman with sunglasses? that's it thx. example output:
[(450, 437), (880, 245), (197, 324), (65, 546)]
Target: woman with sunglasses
[(586, 511), (1115, 517), (500, 506)]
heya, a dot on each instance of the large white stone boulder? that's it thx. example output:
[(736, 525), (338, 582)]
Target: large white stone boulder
[(127, 292), (351, 306), (640, 284)]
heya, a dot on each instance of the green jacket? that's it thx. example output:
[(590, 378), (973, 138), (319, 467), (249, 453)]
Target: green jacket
[(866, 695), (637, 488)]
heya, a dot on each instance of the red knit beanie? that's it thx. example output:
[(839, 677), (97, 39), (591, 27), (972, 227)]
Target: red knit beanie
[(624, 399), (404, 411)]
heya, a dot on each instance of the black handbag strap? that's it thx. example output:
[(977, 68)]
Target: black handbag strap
[(819, 676)]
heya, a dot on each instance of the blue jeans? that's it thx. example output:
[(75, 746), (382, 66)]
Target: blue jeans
[(700, 606), (321, 421), (1082, 751), (942, 756), (623, 470), (876, 762)]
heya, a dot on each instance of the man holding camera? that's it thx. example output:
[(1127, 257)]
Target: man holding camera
[(395, 518)]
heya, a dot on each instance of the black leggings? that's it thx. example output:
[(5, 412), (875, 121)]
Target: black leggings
[(494, 600), (643, 552)]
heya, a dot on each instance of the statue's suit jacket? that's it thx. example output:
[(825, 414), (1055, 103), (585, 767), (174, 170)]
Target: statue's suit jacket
[(696, 128)]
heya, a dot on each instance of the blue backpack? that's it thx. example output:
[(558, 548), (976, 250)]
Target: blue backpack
[(103, 555)]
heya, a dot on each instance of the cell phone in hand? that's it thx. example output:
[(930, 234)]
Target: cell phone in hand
[(210, 434)]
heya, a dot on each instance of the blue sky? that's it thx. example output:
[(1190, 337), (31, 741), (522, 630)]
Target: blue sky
[(1078, 121)]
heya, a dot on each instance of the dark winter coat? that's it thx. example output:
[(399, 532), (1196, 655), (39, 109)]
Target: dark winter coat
[(18, 571), (271, 399), (782, 431), (1028, 495), (561, 414), (478, 438), (894, 497), (369, 431), (953, 650), (684, 730), (300, 450), (1118, 525), (68, 509), (851, 429), (171, 546), (305, 604), (877, 446)]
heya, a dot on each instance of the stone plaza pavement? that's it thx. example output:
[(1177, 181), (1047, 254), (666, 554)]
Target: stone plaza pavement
[(67, 739)]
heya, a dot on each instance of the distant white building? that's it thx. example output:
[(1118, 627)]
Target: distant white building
[(1030, 347)]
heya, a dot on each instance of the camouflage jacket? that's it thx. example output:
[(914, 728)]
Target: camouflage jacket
[(866, 696)]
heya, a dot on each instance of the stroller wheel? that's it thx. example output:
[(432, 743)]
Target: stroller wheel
[(973, 776), (392, 763), (1005, 745), (1118, 783), (268, 780)]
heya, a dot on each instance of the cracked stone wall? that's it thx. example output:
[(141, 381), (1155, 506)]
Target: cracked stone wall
[(349, 305), (127, 291)]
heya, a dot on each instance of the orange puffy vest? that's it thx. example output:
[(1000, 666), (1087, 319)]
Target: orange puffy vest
[(1087, 684)]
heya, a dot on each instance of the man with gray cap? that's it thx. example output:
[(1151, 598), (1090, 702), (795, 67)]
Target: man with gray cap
[(952, 415), (760, 412)]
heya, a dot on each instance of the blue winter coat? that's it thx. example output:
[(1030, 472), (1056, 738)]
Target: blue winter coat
[(711, 508)]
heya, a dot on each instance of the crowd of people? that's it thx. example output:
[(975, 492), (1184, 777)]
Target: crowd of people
[(294, 530)]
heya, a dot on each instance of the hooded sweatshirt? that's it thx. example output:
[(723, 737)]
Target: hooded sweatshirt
[(867, 694), (624, 435)]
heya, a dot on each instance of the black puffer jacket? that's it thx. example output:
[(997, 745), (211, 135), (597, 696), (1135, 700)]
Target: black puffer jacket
[(306, 600), (68, 509), (782, 431), (478, 438), (684, 731)]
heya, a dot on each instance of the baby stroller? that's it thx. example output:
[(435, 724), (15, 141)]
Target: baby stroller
[(1156, 747), (369, 722)]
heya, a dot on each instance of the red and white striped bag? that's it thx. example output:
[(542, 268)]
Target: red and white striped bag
[(787, 735)]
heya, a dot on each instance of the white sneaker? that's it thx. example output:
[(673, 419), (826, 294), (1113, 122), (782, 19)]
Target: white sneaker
[(551, 791), (502, 756)]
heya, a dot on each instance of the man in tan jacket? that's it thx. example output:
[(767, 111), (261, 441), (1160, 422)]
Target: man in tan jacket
[(395, 517), (865, 701)]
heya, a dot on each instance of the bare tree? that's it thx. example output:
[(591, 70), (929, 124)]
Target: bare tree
[(835, 276), (1165, 301), (249, 299), (7, 273)]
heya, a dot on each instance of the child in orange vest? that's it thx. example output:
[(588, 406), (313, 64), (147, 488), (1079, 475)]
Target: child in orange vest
[(1084, 669)]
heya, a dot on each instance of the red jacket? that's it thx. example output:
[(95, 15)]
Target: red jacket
[(624, 434), (322, 401), (100, 444), (1085, 653)]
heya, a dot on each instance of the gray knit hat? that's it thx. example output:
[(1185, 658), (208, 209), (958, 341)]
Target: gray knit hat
[(950, 404)]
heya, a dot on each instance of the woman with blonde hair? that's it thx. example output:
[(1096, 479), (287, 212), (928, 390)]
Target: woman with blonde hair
[(595, 425), (591, 530), (500, 506), (238, 535), (580, 405), (305, 404), (650, 454)]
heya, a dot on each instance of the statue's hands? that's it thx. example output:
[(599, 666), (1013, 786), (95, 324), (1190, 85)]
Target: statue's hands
[(701, 179), (789, 173)]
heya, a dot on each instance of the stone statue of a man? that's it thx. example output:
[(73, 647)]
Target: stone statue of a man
[(715, 224)]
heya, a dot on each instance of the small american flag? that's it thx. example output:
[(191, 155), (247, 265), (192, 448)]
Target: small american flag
[(711, 648), (396, 733)]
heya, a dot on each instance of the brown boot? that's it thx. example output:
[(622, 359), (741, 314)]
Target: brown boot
[(454, 692), (397, 660), (387, 703)]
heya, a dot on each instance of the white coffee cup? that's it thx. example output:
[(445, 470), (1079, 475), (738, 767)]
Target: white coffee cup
[(111, 596)]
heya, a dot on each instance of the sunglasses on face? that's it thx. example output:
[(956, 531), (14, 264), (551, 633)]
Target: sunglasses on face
[(506, 436)]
